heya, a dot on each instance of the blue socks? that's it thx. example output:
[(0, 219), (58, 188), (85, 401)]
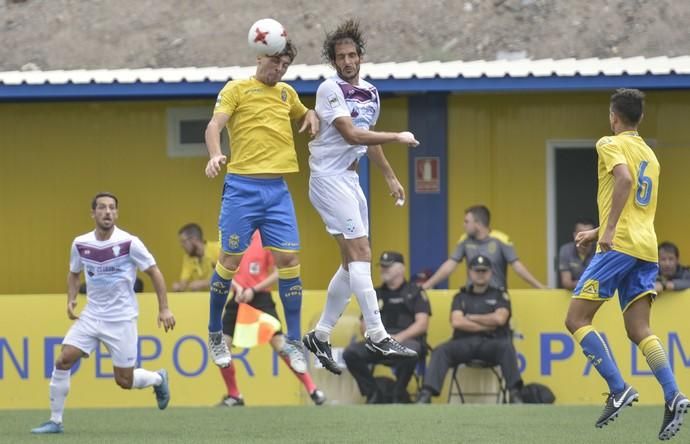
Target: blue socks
[(597, 352), (219, 289), (290, 289)]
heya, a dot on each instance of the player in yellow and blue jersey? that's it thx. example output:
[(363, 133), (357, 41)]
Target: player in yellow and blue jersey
[(626, 261), (258, 113)]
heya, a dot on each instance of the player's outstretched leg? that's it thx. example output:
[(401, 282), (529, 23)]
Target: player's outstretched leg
[(337, 298), (621, 394), (322, 350), (378, 341), (220, 288)]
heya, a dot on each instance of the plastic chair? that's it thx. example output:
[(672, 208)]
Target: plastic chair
[(501, 394)]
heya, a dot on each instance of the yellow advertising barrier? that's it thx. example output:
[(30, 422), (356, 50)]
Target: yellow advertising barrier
[(32, 327)]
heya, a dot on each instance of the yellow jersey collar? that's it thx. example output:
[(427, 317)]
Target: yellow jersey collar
[(628, 133)]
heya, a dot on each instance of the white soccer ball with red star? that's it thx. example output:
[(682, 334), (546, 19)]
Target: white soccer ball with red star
[(267, 37)]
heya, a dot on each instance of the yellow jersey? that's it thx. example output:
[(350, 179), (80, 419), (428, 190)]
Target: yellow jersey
[(635, 233), (260, 126), (195, 268)]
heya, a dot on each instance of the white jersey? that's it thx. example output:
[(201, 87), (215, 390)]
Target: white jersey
[(110, 268), (330, 153)]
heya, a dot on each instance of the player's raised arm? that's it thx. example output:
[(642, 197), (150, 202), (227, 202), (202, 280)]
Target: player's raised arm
[(165, 316), (359, 136), (212, 137)]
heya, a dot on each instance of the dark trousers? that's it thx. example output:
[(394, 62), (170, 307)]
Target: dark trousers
[(357, 358), (497, 351)]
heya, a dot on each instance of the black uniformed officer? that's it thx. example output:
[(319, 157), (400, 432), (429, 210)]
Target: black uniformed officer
[(405, 313), (480, 316)]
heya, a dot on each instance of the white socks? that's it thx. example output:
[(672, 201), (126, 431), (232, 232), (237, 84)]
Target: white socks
[(337, 298), (60, 381), (145, 378), (363, 288), (59, 388)]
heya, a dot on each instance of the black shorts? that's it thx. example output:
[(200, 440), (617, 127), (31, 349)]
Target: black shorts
[(262, 301)]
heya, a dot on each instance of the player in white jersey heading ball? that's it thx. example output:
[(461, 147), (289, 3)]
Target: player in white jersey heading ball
[(109, 258), (348, 108)]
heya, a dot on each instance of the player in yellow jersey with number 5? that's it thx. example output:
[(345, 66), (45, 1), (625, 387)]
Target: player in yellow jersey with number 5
[(626, 261), (258, 114)]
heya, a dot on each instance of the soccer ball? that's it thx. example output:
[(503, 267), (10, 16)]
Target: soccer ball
[(267, 37)]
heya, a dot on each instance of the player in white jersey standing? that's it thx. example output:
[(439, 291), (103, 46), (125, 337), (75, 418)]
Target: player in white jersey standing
[(348, 108), (109, 258)]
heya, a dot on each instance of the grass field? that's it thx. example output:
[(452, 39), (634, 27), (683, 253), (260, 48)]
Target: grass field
[(343, 424)]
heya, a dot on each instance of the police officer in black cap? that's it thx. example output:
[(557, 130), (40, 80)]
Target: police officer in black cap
[(480, 316), (405, 312)]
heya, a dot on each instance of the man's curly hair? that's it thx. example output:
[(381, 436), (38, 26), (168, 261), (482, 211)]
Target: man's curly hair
[(347, 30), (290, 50)]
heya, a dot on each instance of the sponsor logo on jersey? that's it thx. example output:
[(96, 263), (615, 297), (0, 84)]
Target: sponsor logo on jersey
[(333, 100)]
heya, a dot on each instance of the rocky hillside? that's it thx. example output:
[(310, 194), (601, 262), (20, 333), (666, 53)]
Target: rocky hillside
[(88, 34)]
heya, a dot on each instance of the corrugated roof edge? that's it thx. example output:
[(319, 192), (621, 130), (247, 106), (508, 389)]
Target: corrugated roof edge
[(402, 77)]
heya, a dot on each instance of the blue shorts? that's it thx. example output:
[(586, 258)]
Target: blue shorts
[(613, 270), (248, 204)]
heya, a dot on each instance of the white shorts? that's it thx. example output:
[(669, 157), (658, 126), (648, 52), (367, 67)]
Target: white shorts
[(119, 337), (340, 201)]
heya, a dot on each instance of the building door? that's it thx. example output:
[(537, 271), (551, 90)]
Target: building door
[(571, 193)]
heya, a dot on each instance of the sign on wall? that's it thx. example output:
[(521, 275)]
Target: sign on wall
[(427, 177)]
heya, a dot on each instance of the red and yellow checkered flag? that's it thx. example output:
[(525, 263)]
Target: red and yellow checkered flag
[(253, 327)]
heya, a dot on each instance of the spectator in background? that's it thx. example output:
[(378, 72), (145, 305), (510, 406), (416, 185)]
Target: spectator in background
[(573, 259), (480, 317), (672, 276), (199, 260), (405, 312), (479, 239)]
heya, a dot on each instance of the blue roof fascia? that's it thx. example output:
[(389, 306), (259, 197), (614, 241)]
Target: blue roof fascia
[(165, 90)]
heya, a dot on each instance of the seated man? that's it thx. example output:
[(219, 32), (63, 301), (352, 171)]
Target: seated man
[(199, 260), (480, 315), (573, 259), (405, 312), (672, 276)]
